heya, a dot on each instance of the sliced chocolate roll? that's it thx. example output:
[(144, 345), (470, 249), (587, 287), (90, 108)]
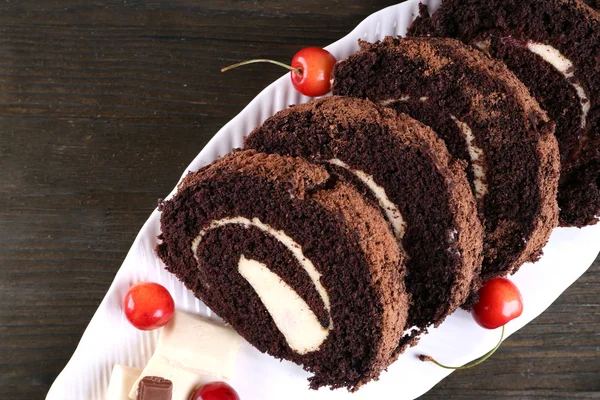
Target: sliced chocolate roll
[(299, 264), (486, 117), (403, 167), (553, 46)]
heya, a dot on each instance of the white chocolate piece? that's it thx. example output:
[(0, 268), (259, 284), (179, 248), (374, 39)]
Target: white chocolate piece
[(391, 210), (293, 317), (122, 379), (192, 351)]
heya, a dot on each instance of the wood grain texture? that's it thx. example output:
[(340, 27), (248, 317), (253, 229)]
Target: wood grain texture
[(101, 108)]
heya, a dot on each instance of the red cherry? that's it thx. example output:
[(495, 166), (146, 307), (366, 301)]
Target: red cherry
[(215, 391), (148, 305), (314, 65), (310, 70), (499, 302)]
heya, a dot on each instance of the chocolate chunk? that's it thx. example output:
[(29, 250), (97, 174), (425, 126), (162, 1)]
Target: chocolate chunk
[(154, 388)]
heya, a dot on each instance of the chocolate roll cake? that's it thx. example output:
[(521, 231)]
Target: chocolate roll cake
[(486, 117), (296, 261), (553, 46), (402, 167)]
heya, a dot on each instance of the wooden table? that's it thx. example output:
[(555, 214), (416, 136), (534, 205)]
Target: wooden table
[(102, 107)]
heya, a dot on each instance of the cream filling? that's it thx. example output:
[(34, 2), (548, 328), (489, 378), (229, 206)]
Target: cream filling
[(563, 65), (391, 211), (387, 102), (483, 46), (477, 158), (294, 319)]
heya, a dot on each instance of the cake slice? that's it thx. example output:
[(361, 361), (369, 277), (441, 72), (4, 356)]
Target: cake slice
[(299, 264), (487, 118), (406, 171), (553, 46)]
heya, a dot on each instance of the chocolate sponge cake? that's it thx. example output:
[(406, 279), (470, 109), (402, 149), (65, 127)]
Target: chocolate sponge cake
[(296, 261), (487, 118), (402, 167), (553, 46)]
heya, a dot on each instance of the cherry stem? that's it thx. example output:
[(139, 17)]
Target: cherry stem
[(263, 60), (472, 363)]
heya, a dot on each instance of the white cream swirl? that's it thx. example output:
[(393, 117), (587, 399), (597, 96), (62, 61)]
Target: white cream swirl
[(292, 316)]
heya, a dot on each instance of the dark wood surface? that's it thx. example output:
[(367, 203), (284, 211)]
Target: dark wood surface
[(102, 107)]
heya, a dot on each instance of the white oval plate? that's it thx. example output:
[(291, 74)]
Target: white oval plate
[(110, 339)]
